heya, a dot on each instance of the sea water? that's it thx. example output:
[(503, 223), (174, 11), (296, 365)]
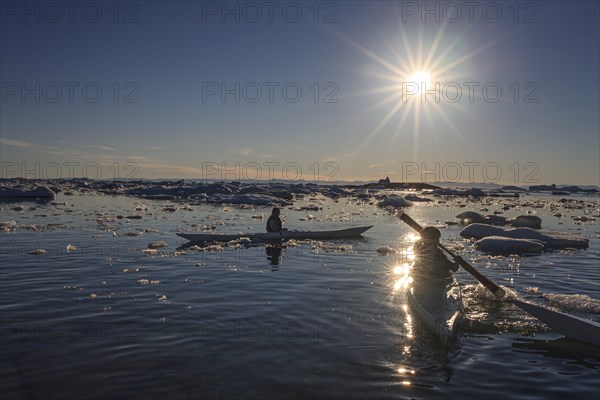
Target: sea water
[(109, 317)]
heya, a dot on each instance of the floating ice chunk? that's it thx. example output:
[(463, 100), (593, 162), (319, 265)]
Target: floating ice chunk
[(157, 245), (334, 247), (394, 201), (212, 247), (37, 252), (574, 302), (528, 221), (415, 198), (470, 217), (8, 226), (496, 220), (386, 250), (503, 245)]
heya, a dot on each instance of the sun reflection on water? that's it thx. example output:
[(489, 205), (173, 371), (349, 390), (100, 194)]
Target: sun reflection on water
[(412, 237), (405, 372), (403, 270)]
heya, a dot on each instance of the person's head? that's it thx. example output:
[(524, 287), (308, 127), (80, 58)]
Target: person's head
[(431, 234), (276, 211)]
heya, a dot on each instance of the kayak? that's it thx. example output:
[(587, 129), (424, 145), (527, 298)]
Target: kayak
[(277, 236), (571, 326), (437, 303)]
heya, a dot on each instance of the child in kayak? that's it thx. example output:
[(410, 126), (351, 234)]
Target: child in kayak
[(274, 223), (430, 261)]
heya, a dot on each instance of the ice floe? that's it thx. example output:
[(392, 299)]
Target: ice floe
[(394, 201), (505, 246), (528, 221), (550, 240), (40, 192)]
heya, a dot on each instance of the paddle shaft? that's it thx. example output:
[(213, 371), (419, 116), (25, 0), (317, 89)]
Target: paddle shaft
[(491, 286)]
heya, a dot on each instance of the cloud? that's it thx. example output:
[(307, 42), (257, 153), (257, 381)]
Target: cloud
[(13, 142), (241, 151), (381, 164), (375, 165), (101, 147), (64, 151), (338, 157)]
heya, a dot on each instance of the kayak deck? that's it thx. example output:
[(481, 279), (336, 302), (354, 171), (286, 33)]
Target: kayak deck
[(438, 305), (277, 236)]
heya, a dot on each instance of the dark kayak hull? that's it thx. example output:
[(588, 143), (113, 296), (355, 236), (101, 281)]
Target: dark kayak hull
[(278, 236)]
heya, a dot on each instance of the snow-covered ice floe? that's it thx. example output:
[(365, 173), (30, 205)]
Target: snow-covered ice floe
[(470, 217), (526, 221), (394, 201), (550, 240), (521, 221), (499, 245)]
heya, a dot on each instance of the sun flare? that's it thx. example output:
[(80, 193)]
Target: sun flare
[(416, 72), (421, 78)]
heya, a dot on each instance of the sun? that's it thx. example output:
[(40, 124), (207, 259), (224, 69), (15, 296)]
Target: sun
[(422, 79)]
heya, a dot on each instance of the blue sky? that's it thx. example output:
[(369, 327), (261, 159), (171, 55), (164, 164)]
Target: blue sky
[(162, 66)]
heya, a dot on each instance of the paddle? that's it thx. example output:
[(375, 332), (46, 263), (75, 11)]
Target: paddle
[(491, 286)]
